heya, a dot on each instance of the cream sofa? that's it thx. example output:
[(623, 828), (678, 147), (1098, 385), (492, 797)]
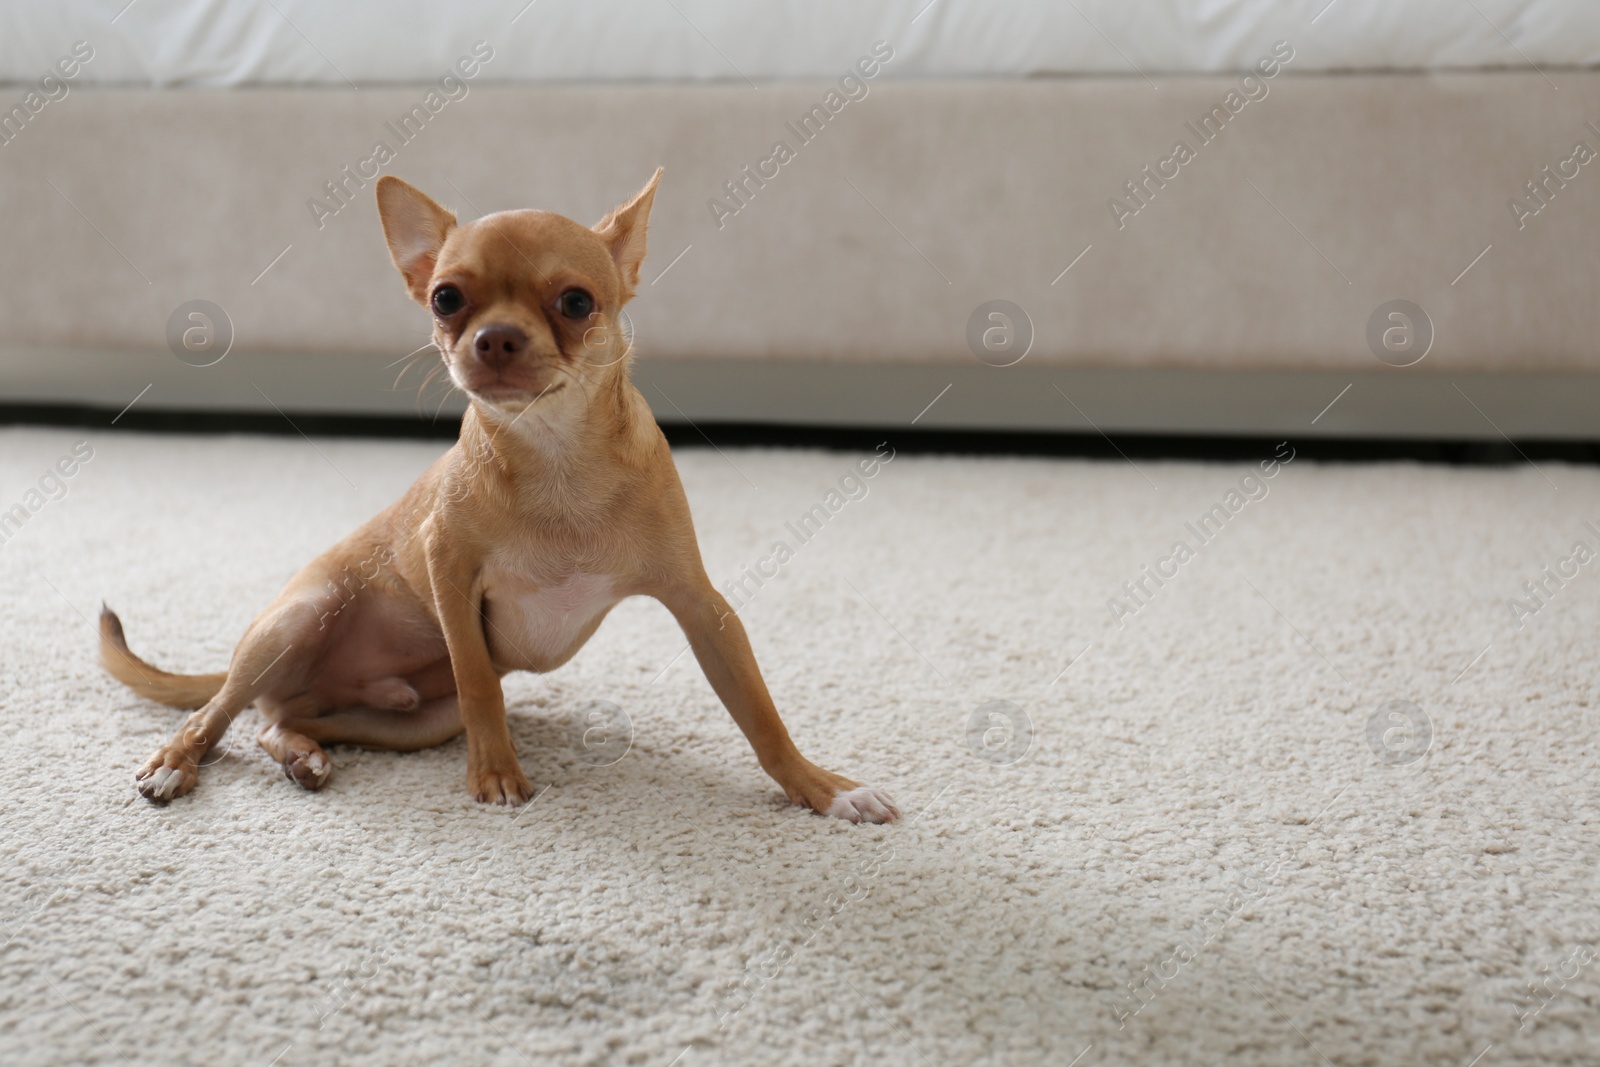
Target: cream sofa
[(1232, 290)]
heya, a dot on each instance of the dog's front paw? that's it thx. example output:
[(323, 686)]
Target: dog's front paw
[(834, 795), (168, 774), (499, 786), (863, 804)]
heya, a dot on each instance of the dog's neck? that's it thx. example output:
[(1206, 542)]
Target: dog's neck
[(568, 461)]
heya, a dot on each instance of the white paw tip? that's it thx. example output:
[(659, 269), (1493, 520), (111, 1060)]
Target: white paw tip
[(864, 804), (161, 783), (319, 765)]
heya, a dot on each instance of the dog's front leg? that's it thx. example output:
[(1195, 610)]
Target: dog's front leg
[(493, 773), (723, 649)]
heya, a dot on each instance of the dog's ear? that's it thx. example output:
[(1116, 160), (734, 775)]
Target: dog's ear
[(623, 231), (415, 228)]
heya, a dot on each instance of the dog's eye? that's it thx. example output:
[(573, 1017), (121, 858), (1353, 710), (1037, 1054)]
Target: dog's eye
[(447, 300), (576, 304)]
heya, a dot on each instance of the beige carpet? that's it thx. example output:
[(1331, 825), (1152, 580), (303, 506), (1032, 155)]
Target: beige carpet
[(1201, 825)]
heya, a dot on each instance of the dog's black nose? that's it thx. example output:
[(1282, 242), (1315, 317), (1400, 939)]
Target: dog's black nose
[(499, 346)]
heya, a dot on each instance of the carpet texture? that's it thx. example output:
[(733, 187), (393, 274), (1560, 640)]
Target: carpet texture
[(1325, 795)]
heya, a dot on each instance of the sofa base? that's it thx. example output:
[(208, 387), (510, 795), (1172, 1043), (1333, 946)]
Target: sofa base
[(1391, 403)]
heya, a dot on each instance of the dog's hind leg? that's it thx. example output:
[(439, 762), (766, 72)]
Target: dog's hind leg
[(297, 743), (302, 759), (434, 723), (276, 654)]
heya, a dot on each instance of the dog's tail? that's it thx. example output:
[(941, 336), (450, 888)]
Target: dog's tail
[(188, 691)]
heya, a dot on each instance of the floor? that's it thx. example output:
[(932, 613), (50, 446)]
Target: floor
[(1318, 787)]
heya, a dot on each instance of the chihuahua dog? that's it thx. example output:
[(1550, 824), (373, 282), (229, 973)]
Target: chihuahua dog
[(559, 499)]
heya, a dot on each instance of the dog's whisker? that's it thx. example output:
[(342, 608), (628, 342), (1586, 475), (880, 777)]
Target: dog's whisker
[(442, 401), (423, 384), (423, 388), (414, 351), (415, 361), (449, 388)]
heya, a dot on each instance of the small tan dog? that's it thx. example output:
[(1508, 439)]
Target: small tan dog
[(559, 499)]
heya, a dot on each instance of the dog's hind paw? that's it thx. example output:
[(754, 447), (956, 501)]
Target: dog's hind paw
[(166, 777), (309, 769)]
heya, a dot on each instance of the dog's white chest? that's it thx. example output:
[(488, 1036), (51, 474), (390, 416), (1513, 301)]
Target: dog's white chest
[(539, 627)]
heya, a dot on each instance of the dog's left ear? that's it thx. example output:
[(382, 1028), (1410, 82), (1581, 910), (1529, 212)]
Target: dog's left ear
[(623, 231)]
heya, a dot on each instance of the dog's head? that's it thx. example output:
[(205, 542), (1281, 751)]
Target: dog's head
[(525, 304)]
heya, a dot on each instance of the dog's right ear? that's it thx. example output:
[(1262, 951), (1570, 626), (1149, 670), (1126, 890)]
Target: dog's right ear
[(415, 228)]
